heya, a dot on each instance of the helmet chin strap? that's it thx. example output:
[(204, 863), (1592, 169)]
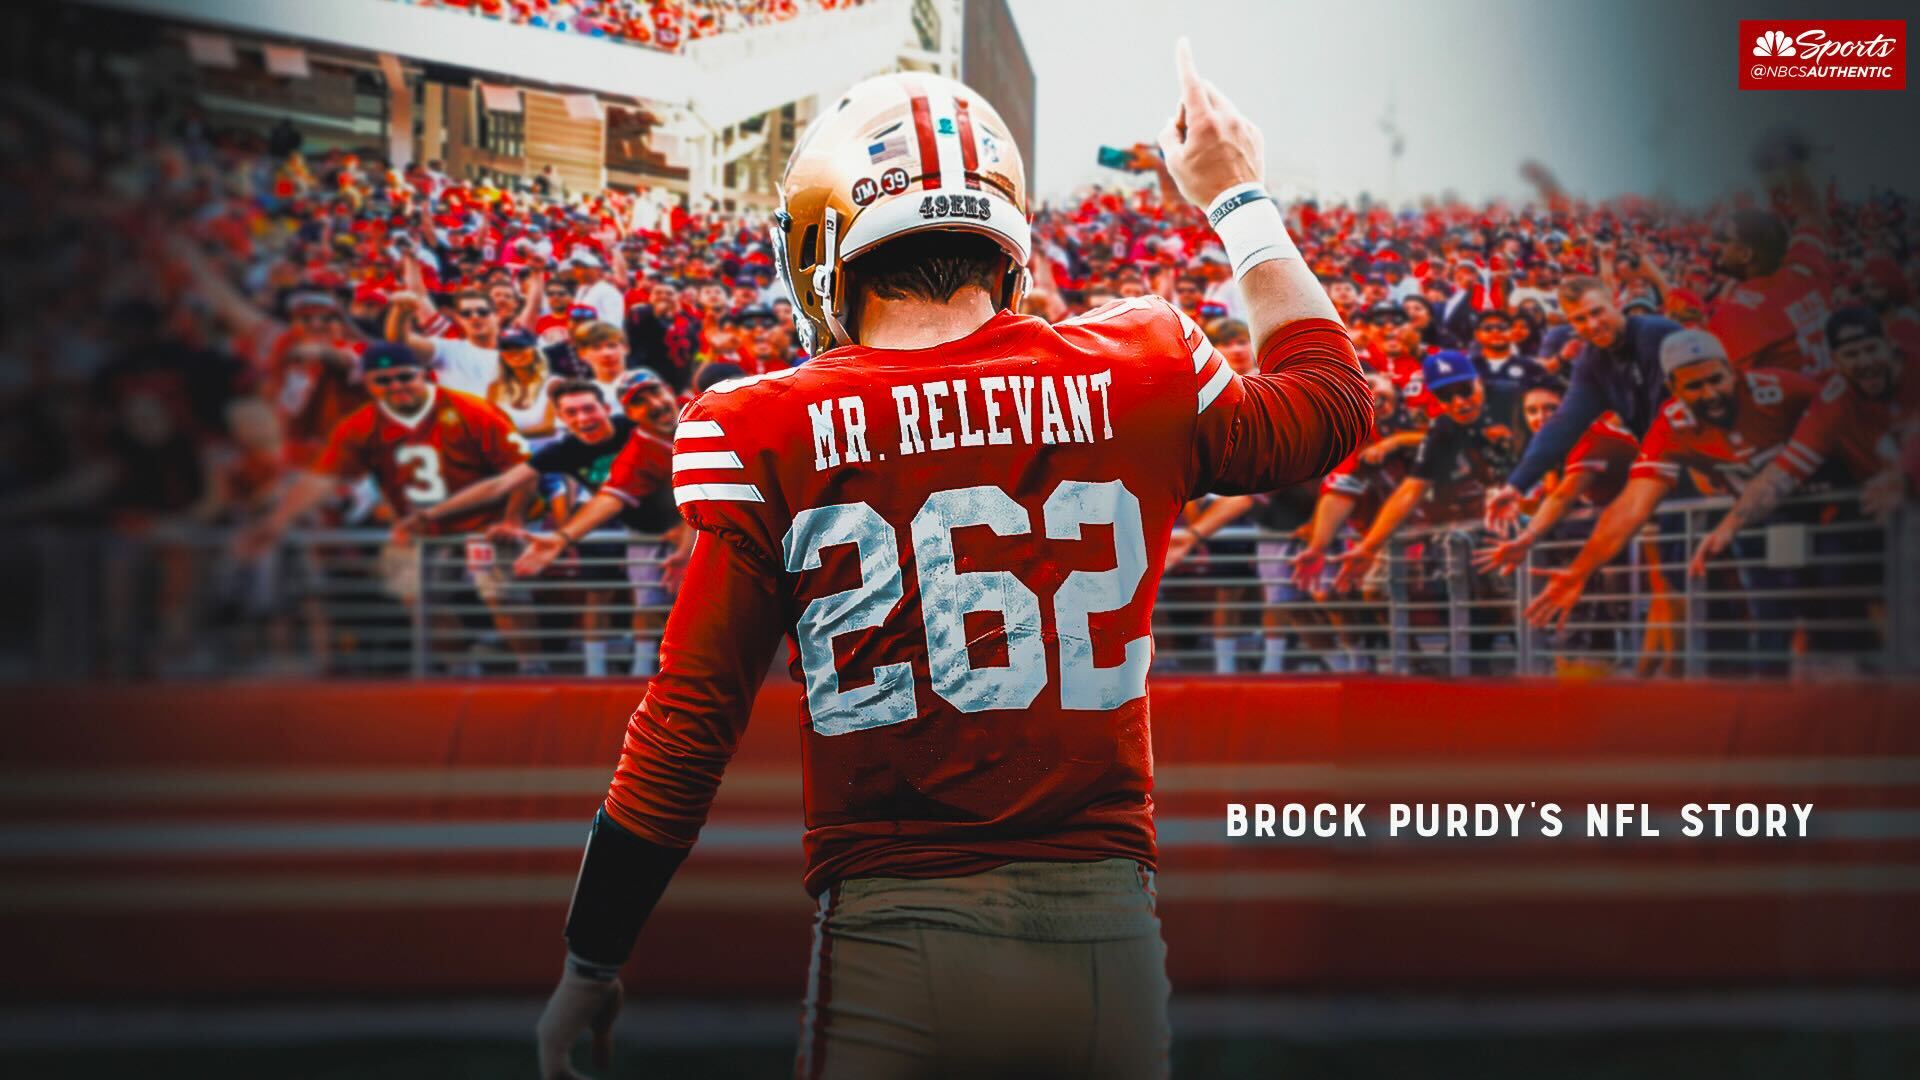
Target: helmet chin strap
[(826, 275), (1014, 285)]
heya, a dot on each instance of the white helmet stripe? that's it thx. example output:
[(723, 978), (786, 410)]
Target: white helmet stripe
[(946, 137)]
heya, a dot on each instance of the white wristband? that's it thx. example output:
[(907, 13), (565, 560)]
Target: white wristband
[(1249, 225)]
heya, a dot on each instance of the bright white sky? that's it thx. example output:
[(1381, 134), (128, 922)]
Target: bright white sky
[(1628, 96)]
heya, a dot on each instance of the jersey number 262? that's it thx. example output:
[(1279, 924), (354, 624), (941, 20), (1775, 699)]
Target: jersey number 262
[(947, 596)]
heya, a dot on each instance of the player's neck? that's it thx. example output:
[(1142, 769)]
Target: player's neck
[(922, 324)]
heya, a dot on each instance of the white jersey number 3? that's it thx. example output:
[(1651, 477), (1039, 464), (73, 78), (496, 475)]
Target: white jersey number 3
[(425, 485), (947, 596)]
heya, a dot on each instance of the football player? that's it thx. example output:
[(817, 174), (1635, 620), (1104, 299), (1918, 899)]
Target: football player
[(1723, 423), (958, 514)]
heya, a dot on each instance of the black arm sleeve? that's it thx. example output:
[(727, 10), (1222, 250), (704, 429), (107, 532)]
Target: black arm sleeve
[(621, 879)]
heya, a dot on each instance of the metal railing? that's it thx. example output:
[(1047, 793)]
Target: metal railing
[(1818, 590)]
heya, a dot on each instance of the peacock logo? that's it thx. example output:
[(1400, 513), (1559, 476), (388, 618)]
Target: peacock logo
[(1774, 43)]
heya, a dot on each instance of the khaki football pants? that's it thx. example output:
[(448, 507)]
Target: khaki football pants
[(1028, 970)]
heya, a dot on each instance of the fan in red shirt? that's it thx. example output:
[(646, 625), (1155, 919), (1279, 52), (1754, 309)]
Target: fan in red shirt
[(1867, 407), (308, 372), (419, 441), (1858, 420), (1775, 316), (1717, 422)]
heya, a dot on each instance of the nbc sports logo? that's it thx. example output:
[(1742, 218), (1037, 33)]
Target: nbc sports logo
[(1822, 54), (1774, 43)]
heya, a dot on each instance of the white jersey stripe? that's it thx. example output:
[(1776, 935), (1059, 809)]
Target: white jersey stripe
[(698, 429), (686, 493), (1201, 354), (1222, 375), (707, 459)]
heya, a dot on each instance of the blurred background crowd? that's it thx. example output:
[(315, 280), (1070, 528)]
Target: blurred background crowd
[(653, 24), (195, 314)]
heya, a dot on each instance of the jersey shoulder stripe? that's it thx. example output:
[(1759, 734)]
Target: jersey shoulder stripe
[(706, 459), (705, 468), (1209, 365), (687, 493)]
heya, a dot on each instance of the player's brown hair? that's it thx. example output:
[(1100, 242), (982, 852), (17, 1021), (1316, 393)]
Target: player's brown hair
[(1579, 285), (930, 266)]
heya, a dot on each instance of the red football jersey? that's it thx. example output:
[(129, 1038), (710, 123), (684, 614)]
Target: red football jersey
[(641, 476), (456, 441), (1780, 320), (1606, 450), (1768, 405), (1863, 432), (963, 544)]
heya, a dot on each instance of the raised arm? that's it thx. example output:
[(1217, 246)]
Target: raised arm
[(1651, 274), (236, 311), (1218, 160), (1309, 406), (400, 323), (533, 298), (411, 275)]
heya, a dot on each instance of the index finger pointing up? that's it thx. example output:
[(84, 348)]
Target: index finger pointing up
[(1193, 93)]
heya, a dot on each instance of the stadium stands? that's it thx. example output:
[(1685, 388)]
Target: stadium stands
[(182, 367)]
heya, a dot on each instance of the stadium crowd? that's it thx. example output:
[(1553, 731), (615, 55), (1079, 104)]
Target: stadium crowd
[(207, 335), (666, 25)]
